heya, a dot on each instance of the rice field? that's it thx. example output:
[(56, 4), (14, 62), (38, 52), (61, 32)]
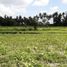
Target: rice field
[(46, 47)]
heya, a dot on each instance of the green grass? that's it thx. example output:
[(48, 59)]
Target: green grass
[(46, 47)]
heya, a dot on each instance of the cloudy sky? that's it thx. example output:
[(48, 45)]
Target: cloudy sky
[(31, 7)]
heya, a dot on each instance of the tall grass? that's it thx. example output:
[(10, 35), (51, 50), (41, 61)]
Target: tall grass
[(47, 49)]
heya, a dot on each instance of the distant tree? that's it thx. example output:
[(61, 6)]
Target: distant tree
[(65, 20), (1, 21), (59, 19), (55, 18), (40, 16), (20, 21), (42, 19), (26, 21), (33, 22), (44, 14)]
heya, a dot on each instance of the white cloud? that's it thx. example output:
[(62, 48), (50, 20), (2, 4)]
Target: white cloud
[(20, 3), (5, 10), (11, 10), (54, 9), (13, 7), (41, 2), (64, 1)]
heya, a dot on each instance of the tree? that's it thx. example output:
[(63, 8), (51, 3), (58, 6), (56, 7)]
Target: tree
[(1, 21), (55, 18), (40, 16), (65, 20), (33, 22), (20, 21), (44, 14)]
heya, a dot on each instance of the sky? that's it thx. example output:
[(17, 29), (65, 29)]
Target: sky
[(31, 7)]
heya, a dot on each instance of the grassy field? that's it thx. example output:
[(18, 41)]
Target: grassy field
[(46, 47)]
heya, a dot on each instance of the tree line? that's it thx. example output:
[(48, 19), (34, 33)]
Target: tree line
[(59, 19)]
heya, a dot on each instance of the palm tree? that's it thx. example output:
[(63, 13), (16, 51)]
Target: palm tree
[(55, 15), (40, 16), (44, 14)]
